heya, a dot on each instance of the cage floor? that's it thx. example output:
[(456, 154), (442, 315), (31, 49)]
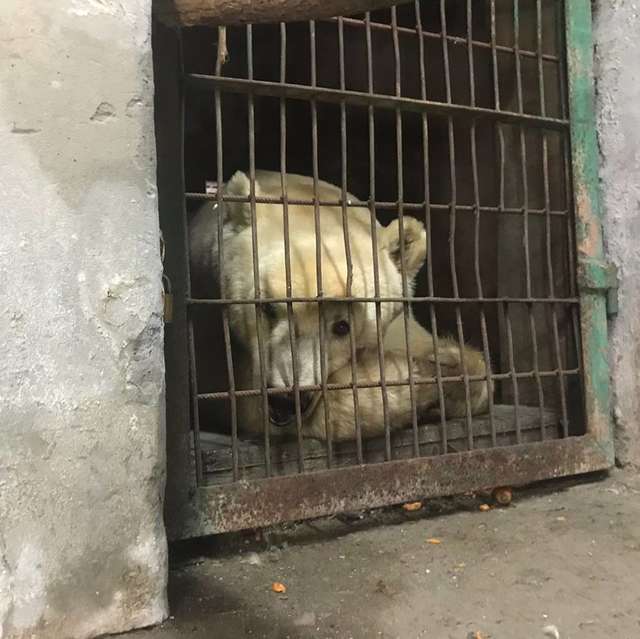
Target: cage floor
[(217, 449)]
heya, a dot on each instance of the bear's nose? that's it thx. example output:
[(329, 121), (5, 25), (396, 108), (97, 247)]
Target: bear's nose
[(282, 408)]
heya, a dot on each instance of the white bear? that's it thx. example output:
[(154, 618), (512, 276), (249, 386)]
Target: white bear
[(338, 323)]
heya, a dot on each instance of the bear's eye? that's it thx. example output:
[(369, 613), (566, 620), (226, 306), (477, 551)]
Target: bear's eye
[(341, 328), (270, 311)]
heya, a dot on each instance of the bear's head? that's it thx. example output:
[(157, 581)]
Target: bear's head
[(319, 271)]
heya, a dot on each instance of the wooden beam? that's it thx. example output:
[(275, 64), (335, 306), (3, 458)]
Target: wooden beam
[(187, 13)]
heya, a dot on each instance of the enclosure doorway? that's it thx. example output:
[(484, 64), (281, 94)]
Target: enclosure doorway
[(467, 119)]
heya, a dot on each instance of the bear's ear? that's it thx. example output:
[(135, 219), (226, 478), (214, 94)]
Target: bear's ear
[(239, 213), (415, 245)]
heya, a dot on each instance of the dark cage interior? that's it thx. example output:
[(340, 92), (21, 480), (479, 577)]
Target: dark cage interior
[(450, 113)]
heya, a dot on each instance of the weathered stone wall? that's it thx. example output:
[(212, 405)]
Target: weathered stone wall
[(617, 25), (82, 543)]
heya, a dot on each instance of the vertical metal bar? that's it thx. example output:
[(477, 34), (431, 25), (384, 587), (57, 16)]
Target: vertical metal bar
[(193, 386), (406, 311), (287, 247), (256, 259), (584, 151), (529, 293), (318, 234), (225, 309), (547, 206), (347, 243), (427, 223), (470, 63), (494, 57), (543, 109), (452, 218), (476, 261), (507, 316), (374, 242), (516, 53)]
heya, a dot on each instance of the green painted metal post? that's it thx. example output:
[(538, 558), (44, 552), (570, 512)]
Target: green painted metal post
[(584, 156)]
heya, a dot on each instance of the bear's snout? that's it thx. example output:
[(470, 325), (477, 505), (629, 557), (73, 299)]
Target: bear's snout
[(282, 408)]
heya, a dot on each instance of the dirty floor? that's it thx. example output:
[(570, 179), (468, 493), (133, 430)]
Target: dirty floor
[(562, 561)]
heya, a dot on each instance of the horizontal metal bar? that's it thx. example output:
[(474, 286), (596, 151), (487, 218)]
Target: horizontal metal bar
[(372, 300), (381, 26), (250, 504), (409, 206), (338, 96), (417, 382)]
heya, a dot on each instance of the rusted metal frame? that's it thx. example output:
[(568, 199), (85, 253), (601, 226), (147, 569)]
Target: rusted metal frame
[(287, 243), (590, 245), (347, 244), (422, 381), (374, 244), (452, 222), (406, 309), (361, 98), (432, 35), (318, 237), (256, 259), (427, 224), (396, 298), (193, 379), (409, 206), (547, 203), (266, 502), (224, 310)]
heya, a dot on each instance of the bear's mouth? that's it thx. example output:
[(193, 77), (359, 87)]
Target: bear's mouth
[(282, 408)]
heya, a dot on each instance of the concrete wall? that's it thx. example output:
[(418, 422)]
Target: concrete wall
[(82, 544), (617, 25)]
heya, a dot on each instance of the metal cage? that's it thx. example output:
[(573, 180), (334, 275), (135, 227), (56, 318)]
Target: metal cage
[(475, 118)]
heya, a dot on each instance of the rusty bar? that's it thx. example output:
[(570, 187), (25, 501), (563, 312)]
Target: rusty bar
[(470, 64), (414, 206), (357, 98), (374, 242), (224, 307), (547, 204), (347, 243), (286, 238), (427, 224), (452, 219), (476, 261), (400, 193), (423, 381), (195, 413), (266, 502), (543, 109), (507, 316), (256, 259), (516, 51), (494, 57), (318, 237), (432, 35), (398, 298), (527, 262)]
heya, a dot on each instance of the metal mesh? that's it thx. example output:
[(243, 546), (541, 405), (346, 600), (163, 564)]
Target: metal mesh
[(453, 113)]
